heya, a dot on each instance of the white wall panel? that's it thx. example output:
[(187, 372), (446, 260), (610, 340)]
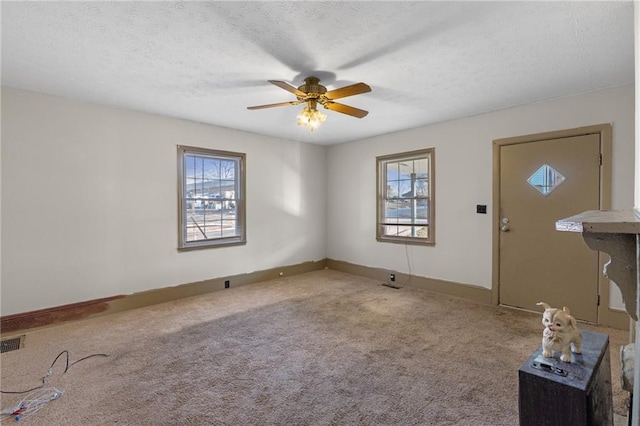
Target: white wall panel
[(89, 202), (463, 179)]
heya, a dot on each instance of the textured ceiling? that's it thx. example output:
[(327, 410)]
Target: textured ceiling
[(426, 62)]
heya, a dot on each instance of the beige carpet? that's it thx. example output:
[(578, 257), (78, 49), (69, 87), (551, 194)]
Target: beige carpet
[(323, 348)]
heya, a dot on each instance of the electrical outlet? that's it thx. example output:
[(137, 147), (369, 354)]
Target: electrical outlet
[(227, 284), (392, 277)]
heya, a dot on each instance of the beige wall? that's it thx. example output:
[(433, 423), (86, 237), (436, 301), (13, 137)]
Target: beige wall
[(89, 202), (462, 252)]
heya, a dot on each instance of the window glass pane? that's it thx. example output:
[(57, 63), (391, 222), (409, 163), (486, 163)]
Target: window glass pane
[(404, 209), (412, 167), (404, 188), (392, 189), (391, 211), (227, 189), (230, 210), (420, 167), (229, 228), (229, 216), (421, 187), (390, 230), (197, 177), (406, 168), (392, 170), (212, 230), (227, 169), (422, 231), (209, 167), (404, 231), (422, 211), (193, 234), (189, 167), (203, 222)]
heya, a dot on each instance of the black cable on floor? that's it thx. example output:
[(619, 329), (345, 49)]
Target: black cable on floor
[(66, 368)]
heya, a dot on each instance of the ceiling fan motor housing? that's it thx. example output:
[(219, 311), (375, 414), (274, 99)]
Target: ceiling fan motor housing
[(312, 86)]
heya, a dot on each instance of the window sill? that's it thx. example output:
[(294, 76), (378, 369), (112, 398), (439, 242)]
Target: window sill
[(413, 241), (210, 245)]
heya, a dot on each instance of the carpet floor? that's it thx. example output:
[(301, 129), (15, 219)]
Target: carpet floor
[(322, 348)]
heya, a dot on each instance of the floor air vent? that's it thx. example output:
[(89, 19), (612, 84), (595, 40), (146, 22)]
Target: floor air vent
[(12, 343)]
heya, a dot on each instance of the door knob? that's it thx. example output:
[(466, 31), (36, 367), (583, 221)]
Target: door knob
[(504, 228), (505, 224)]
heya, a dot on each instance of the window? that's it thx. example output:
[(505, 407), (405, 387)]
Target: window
[(211, 198), (546, 179), (406, 208)]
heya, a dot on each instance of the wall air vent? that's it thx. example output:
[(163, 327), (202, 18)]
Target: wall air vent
[(12, 343)]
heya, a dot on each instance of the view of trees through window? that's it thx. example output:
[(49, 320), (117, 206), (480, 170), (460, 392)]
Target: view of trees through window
[(210, 197), (405, 196)]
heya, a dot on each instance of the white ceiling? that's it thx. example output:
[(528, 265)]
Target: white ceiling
[(426, 62)]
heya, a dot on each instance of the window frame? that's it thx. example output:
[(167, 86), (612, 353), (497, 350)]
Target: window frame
[(382, 198), (239, 199)]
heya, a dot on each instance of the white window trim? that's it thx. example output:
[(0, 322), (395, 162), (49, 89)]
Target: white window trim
[(183, 244), (381, 182)]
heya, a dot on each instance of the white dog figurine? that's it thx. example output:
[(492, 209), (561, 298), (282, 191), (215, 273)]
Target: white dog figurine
[(560, 333)]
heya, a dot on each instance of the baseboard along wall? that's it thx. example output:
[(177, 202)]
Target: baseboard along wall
[(479, 294), (98, 307)]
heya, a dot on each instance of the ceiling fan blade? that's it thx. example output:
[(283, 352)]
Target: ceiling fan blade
[(274, 105), (346, 109), (343, 92), (288, 88)]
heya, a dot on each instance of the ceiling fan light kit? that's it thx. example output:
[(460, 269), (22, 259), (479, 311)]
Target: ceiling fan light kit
[(311, 117), (313, 93)]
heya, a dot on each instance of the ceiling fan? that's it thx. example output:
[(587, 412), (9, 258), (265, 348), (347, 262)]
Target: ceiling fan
[(313, 93)]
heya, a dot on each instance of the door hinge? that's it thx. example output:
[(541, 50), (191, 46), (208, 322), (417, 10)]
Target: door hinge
[(598, 304), (601, 159)]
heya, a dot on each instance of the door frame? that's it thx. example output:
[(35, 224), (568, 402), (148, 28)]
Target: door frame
[(606, 316)]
